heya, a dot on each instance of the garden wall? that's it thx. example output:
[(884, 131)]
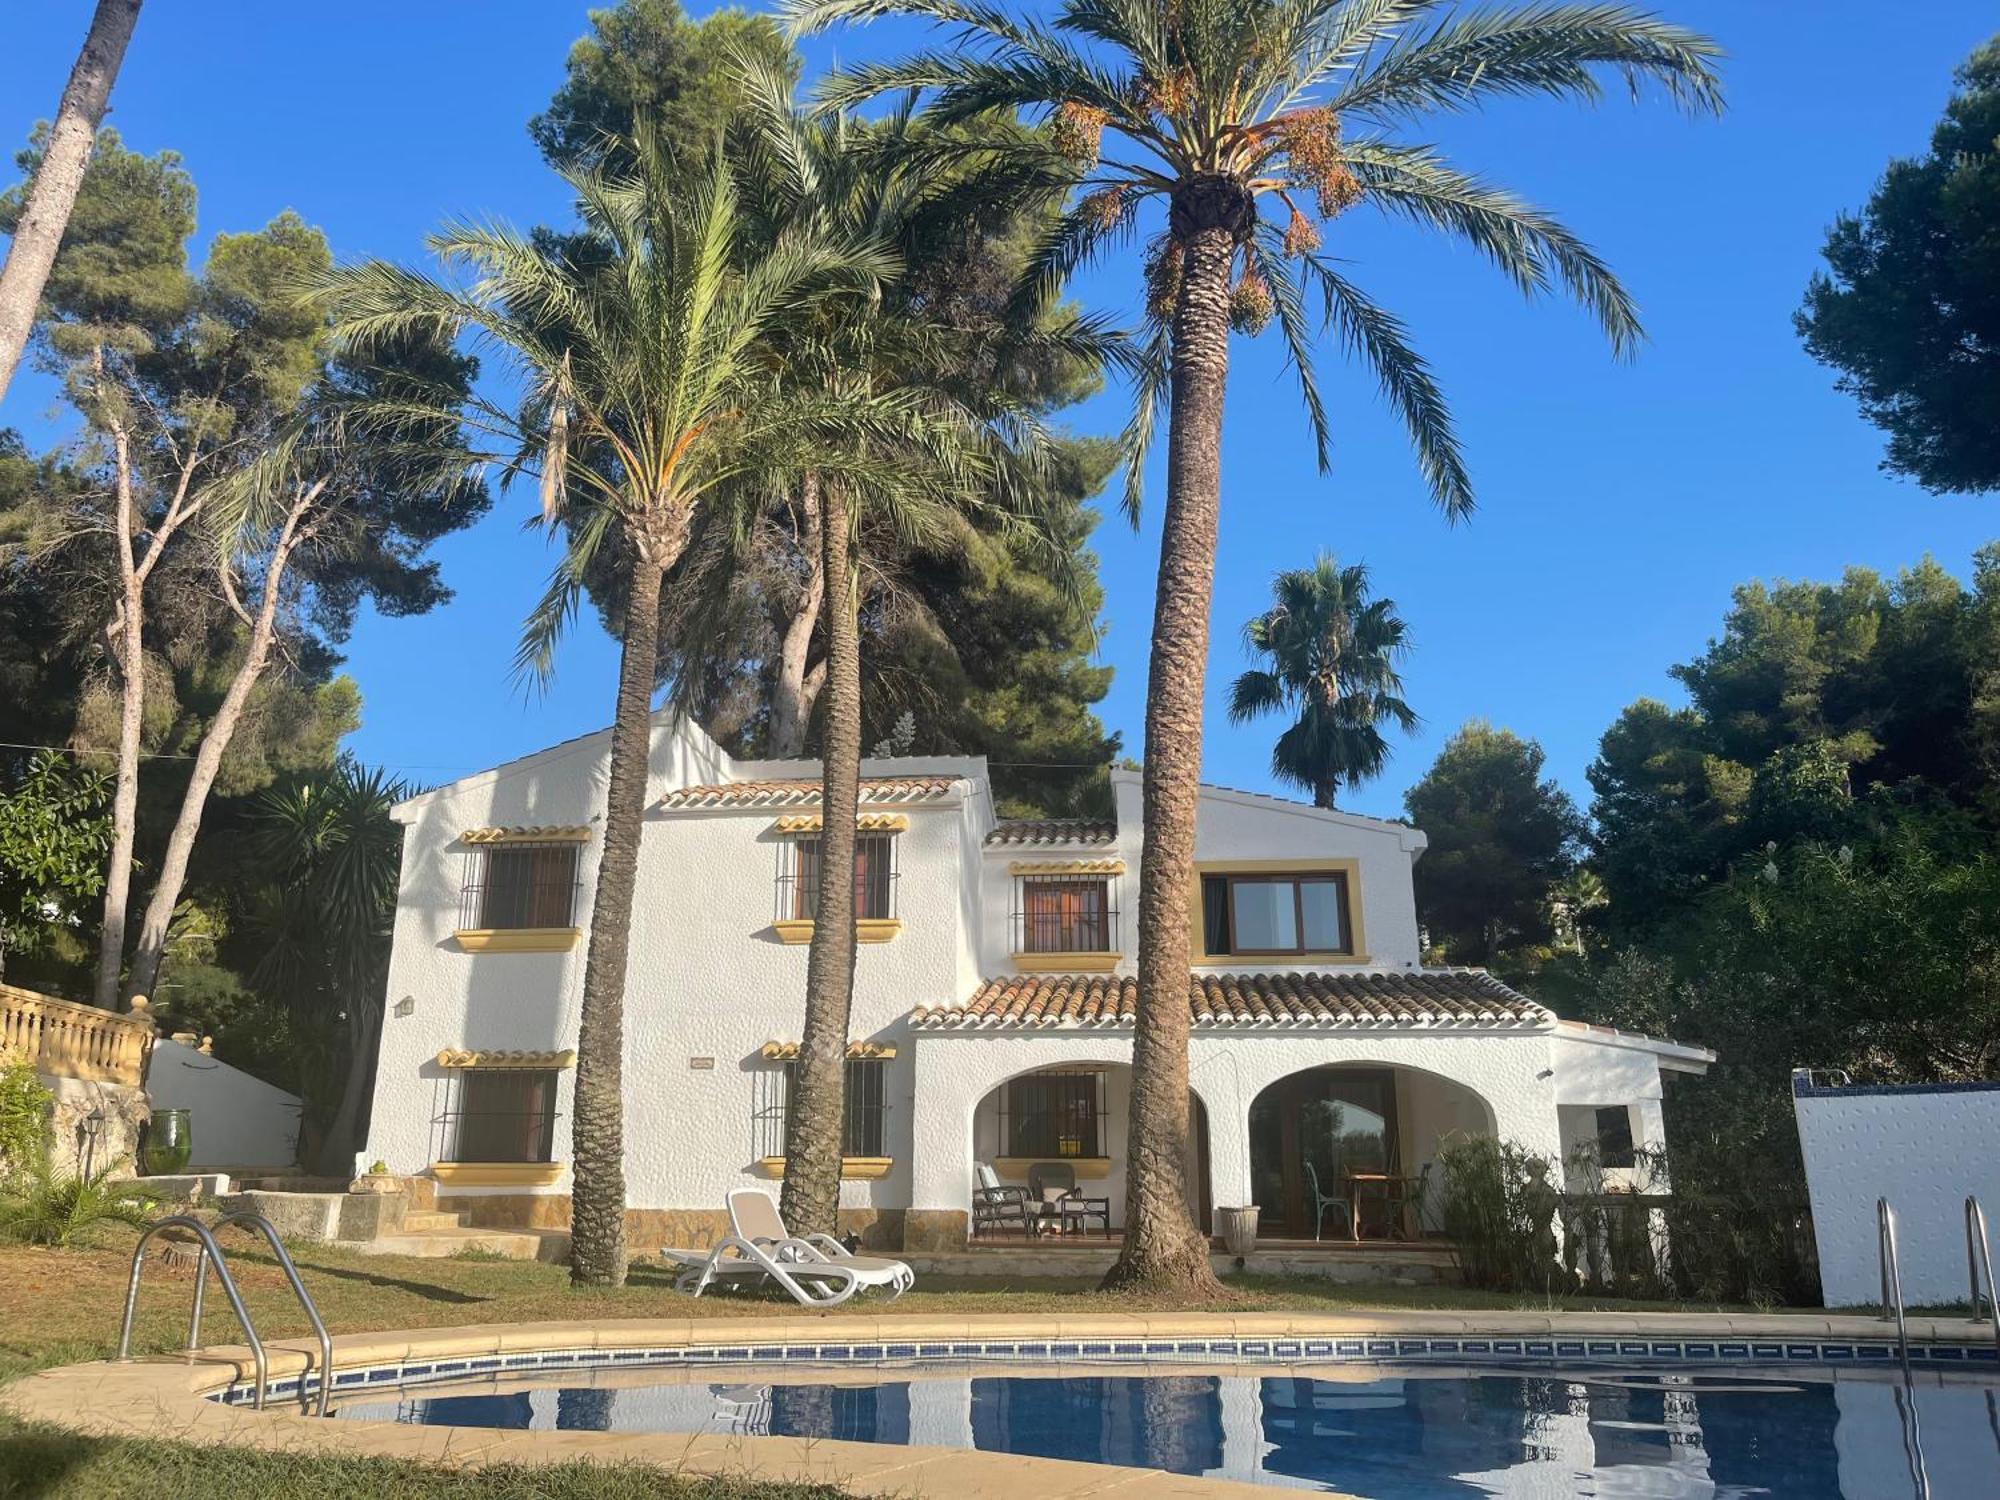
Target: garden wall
[(236, 1120), (1924, 1148)]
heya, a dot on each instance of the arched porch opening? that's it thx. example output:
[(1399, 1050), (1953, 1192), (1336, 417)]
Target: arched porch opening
[(1077, 1115), (1348, 1151)]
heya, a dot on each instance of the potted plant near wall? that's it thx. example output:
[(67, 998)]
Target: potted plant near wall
[(1239, 1229)]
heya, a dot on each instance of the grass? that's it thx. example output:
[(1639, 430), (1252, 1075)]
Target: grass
[(38, 1462), (62, 1306)]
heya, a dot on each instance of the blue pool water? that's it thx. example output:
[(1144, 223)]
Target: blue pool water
[(1375, 1432)]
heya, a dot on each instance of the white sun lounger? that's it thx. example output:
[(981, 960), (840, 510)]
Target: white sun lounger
[(816, 1271)]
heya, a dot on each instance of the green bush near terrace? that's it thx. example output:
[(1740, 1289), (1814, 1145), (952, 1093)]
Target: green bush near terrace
[(24, 1119), (38, 1462)]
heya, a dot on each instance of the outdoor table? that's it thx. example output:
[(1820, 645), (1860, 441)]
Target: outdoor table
[(1395, 1193)]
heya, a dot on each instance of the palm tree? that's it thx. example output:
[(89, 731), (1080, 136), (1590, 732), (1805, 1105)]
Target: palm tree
[(59, 176), (646, 396), (1214, 113), (939, 459), (337, 855), (1333, 654)]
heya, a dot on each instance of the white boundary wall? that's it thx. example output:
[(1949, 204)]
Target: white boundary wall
[(237, 1120), (1924, 1148)]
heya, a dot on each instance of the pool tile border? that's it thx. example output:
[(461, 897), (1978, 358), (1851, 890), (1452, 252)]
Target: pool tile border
[(1508, 1352), (199, 1397)]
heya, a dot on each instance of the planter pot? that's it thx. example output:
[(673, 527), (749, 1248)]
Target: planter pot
[(169, 1143), (1239, 1228)]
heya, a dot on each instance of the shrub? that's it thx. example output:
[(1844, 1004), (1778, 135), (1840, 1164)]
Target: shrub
[(1499, 1214), (62, 1210), (24, 1120)]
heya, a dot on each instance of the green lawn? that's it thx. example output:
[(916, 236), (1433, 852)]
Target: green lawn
[(59, 1307)]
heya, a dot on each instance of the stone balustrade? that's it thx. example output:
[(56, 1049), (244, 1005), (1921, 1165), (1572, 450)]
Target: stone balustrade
[(65, 1040)]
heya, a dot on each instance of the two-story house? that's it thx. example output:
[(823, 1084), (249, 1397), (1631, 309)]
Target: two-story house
[(993, 1000)]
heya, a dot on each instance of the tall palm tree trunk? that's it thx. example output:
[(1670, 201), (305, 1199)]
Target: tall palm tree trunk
[(816, 1112), (597, 1129), (1164, 1249), (39, 233), (792, 690)]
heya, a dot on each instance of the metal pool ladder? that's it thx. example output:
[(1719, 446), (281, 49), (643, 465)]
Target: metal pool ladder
[(1892, 1274), (1978, 1263), (207, 1253)]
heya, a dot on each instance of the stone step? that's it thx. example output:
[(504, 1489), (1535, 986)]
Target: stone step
[(426, 1220), (551, 1245)]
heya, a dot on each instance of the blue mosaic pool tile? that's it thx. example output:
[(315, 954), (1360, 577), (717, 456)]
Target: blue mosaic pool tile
[(1223, 1346), (902, 1351), (928, 1351), (1318, 1348), (802, 1351), (1767, 1351), (1351, 1346), (1545, 1348), (1381, 1346), (1195, 1346), (1257, 1348), (1802, 1351), (1128, 1348)]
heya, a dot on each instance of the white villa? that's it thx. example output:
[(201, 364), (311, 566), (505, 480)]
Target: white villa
[(992, 1007)]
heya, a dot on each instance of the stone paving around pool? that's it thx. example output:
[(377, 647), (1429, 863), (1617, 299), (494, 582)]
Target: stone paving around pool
[(176, 1397)]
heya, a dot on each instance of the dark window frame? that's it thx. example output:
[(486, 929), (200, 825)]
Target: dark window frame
[(864, 1131), (1609, 1152), (1031, 1127), (538, 899), (1228, 880), (1099, 928), (875, 876), (469, 1126)]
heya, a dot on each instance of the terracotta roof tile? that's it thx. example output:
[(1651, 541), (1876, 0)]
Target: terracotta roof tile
[(1435, 997), (875, 791), (1053, 831)]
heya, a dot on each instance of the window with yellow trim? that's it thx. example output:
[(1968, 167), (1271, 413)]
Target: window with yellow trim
[(865, 1116), (874, 877), (1274, 913)]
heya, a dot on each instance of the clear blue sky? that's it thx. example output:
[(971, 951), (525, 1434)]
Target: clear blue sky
[(1619, 503)]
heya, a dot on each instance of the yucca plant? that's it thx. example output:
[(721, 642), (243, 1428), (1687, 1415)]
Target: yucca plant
[(59, 1209), (1234, 135)]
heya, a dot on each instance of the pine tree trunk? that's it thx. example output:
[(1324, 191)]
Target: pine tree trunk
[(128, 640), (791, 697), (153, 930), (1164, 1250), (816, 1113), (39, 233), (597, 1134)]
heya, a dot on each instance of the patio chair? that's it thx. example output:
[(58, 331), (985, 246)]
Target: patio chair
[(816, 1272), (1323, 1201), (996, 1204), (753, 1214), (1052, 1189), (1406, 1204)]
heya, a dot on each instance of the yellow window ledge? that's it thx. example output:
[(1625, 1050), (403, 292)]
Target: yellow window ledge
[(1088, 1168), (1257, 963), (497, 1173), (852, 1168), (866, 930), (518, 939), (1066, 963)]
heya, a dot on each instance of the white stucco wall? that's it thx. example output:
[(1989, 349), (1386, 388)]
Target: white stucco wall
[(710, 983), (1500, 1080), (1925, 1150), (236, 1120)]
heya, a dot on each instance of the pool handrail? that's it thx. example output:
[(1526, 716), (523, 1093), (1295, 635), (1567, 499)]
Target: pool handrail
[(210, 1251), (1892, 1275), (262, 1225), (1978, 1261)]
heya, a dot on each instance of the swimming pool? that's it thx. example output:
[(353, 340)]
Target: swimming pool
[(1378, 1431)]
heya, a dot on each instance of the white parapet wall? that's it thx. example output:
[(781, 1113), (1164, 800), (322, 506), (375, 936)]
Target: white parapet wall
[(1925, 1148), (236, 1120)]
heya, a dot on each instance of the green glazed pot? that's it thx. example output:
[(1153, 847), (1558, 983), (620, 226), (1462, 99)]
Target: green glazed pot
[(169, 1143)]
